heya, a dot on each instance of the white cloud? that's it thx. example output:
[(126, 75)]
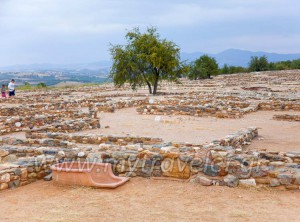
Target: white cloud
[(200, 14), (40, 30)]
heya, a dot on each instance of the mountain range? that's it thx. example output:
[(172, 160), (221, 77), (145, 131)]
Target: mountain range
[(235, 57)]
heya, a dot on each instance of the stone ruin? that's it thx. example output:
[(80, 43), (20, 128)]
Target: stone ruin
[(54, 123)]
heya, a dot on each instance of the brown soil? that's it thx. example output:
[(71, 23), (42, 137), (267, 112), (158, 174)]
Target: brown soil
[(274, 135), (148, 200)]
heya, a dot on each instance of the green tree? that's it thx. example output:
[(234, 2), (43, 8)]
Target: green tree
[(41, 85), (258, 64), (232, 69), (224, 69), (295, 64), (281, 66), (203, 68), (272, 66), (145, 60)]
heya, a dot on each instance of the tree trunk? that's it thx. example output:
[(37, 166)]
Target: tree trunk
[(149, 87), (148, 84), (154, 88), (155, 85)]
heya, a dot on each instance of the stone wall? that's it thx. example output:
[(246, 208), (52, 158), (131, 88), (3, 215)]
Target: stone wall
[(280, 105), (93, 139), (23, 173), (110, 106), (70, 126), (221, 162), (54, 119), (24, 118), (287, 117), (199, 111)]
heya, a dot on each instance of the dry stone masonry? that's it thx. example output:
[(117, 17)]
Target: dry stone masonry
[(287, 117), (54, 124)]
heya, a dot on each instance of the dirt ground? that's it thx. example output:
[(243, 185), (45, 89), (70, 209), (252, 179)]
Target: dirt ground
[(274, 135), (164, 200), (148, 200)]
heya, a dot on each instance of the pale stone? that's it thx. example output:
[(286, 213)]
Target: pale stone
[(5, 178), (3, 153), (205, 181), (274, 183), (61, 153), (277, 163), (248, 182), (10, 158), (81, 154)]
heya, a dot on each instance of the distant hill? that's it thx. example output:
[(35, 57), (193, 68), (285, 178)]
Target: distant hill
[(237, 57), (101, 66)]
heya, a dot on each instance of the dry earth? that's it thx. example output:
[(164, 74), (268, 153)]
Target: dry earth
[(274, 135), (148, 200)]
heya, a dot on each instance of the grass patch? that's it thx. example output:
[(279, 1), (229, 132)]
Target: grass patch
[(30, 87)]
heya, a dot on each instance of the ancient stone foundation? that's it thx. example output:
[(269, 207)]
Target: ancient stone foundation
[(54, 120), (222, 162), (287, 117)]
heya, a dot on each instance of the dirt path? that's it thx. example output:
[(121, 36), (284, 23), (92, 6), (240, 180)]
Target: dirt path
[(147, 200), (277, 135)]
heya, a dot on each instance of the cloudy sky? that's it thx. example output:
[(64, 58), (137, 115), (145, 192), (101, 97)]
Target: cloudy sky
[(79, 31)]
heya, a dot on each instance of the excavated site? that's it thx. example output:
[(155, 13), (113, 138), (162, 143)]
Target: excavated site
[(240, 131)]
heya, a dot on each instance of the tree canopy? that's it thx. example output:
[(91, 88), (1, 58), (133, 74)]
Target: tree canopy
[(203, 68), (232, 69), (145, 60), (258, 64)]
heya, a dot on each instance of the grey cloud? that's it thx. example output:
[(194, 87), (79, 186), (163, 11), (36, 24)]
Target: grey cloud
[(66, 31)]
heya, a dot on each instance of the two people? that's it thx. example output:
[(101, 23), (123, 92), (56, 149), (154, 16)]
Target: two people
[(11, 89)]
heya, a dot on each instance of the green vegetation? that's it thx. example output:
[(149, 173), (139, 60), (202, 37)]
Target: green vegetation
[(232, 69), (258, 64), (146, 59), (203, 68), (41, 85), (284, 65), (27, 86), (76, 86)]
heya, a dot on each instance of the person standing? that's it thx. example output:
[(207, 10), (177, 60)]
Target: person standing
[(11, 88), (3, 91)]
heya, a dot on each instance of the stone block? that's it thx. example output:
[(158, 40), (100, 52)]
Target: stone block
[(248, 182), (5, 178), (3, 186), (231, 181), (175, 168), (285, 179)]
